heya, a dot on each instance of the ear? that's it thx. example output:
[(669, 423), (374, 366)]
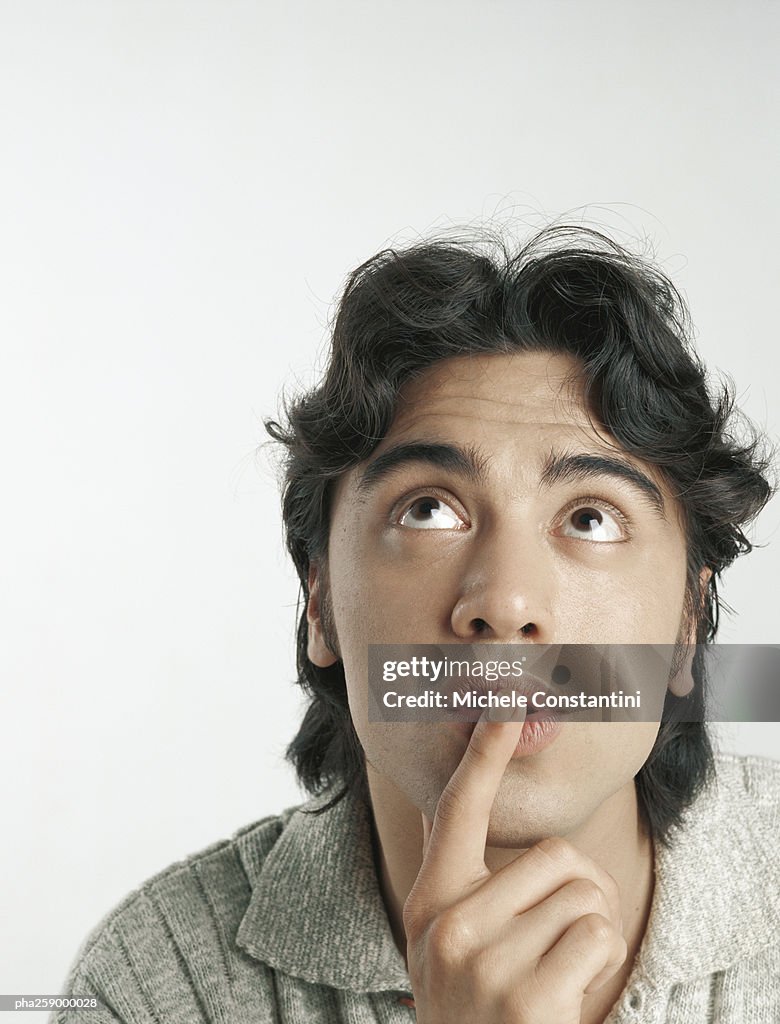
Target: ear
[(318, 651), (682, 683)]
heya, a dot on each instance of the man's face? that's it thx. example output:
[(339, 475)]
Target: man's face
[(522, 530)]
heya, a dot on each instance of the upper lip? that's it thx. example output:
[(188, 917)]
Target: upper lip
[(525, 685)]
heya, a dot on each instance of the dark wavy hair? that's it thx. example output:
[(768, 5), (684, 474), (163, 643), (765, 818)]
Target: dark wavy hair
[(569, 290)]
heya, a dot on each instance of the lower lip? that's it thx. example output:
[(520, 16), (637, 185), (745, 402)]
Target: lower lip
[(537, 734)]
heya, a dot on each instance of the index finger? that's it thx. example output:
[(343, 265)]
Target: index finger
[(455, 853)]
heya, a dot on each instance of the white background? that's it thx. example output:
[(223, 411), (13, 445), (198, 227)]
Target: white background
[(184, 188)]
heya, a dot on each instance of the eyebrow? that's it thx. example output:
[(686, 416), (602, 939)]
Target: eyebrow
[(568, 466), (471, 464), (466, 462)]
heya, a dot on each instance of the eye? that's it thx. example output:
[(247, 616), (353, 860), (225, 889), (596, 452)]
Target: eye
[(586, 522), (431, 513)]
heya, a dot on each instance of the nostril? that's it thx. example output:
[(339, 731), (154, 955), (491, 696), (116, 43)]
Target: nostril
[(481, 626)]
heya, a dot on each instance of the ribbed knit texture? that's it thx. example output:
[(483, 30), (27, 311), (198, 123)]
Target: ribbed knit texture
[(285, 924)]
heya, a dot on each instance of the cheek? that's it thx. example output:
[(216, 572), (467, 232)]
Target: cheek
[(663, 568), (603, 755), (417, 758), (385, 591), (627, 745), (639, 600), (660, 600)]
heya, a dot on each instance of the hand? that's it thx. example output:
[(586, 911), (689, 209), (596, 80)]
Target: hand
[(522, 945)]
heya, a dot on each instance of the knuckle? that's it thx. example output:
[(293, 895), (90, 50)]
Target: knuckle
[(621, 950), (558, 850), (596, 929), (586, 896), (450, 936)]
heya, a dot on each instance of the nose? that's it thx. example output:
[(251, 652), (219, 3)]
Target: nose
[(506, 593)]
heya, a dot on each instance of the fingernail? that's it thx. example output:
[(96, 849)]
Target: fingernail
[(500, 714)]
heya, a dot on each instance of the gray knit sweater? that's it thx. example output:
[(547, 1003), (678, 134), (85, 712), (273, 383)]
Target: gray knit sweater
[(284, 923)]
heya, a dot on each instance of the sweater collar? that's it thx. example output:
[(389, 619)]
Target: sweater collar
[(316, 911), (716, 898)]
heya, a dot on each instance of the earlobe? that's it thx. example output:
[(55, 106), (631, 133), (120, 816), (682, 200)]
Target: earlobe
[(317, 649), (682, 682)]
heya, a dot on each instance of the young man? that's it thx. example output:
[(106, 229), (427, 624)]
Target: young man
[(518, 449)]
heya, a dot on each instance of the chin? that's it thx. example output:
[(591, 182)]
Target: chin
[(508, 832), (519, 823)]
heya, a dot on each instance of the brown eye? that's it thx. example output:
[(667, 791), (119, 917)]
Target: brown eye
[(430, 513), (594, 524)]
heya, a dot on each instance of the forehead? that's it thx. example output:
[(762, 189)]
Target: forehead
[(494, 393), (521, 417)]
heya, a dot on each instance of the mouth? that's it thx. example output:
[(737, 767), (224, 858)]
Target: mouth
[(540, 729), (474, 695), (541, 725)]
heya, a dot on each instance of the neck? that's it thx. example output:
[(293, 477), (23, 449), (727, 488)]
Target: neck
[(614, 837)]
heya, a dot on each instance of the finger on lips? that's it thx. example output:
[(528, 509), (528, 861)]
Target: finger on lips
[(456, 847)]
